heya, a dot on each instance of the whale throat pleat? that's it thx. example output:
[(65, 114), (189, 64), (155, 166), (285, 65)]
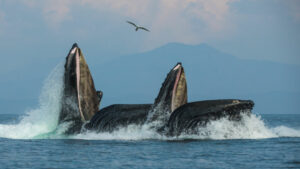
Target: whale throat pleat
[(88, 98), (179, 96)]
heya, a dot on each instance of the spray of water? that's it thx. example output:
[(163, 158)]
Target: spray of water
[(43, 119), (157, 117), (249, 127)]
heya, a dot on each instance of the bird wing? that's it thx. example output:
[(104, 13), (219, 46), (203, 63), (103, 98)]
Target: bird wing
[(132, 23), (144, 29)]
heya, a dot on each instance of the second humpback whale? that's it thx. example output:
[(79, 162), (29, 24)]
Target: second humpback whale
[(172, 95)]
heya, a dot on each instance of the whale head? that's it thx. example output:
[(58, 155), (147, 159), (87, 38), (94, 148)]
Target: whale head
[(80, 98), (172, 94)]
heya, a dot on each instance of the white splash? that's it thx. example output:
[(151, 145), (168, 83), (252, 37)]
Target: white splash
[(43, 119), (250, 127), (283, 131)]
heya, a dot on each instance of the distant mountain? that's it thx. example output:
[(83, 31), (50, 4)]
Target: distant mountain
[(210, 73)]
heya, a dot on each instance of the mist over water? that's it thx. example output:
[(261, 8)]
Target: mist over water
[(42, 123)]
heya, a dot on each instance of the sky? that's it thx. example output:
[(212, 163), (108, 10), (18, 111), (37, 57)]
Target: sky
[(36, 35), (251, 29)]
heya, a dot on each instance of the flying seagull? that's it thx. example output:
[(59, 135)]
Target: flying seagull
[(137, 27)]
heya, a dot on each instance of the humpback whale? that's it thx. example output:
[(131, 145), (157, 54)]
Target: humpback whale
[(80, 100), (172, 95)]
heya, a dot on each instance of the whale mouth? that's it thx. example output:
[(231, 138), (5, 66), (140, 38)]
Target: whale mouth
[(73, 60), (88, 98), (179, 93), (80, 98), (173, 92)]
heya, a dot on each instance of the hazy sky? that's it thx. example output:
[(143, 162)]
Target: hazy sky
[(255, 29)]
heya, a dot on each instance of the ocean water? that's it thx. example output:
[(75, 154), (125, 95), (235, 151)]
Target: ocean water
[(34, 140)]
